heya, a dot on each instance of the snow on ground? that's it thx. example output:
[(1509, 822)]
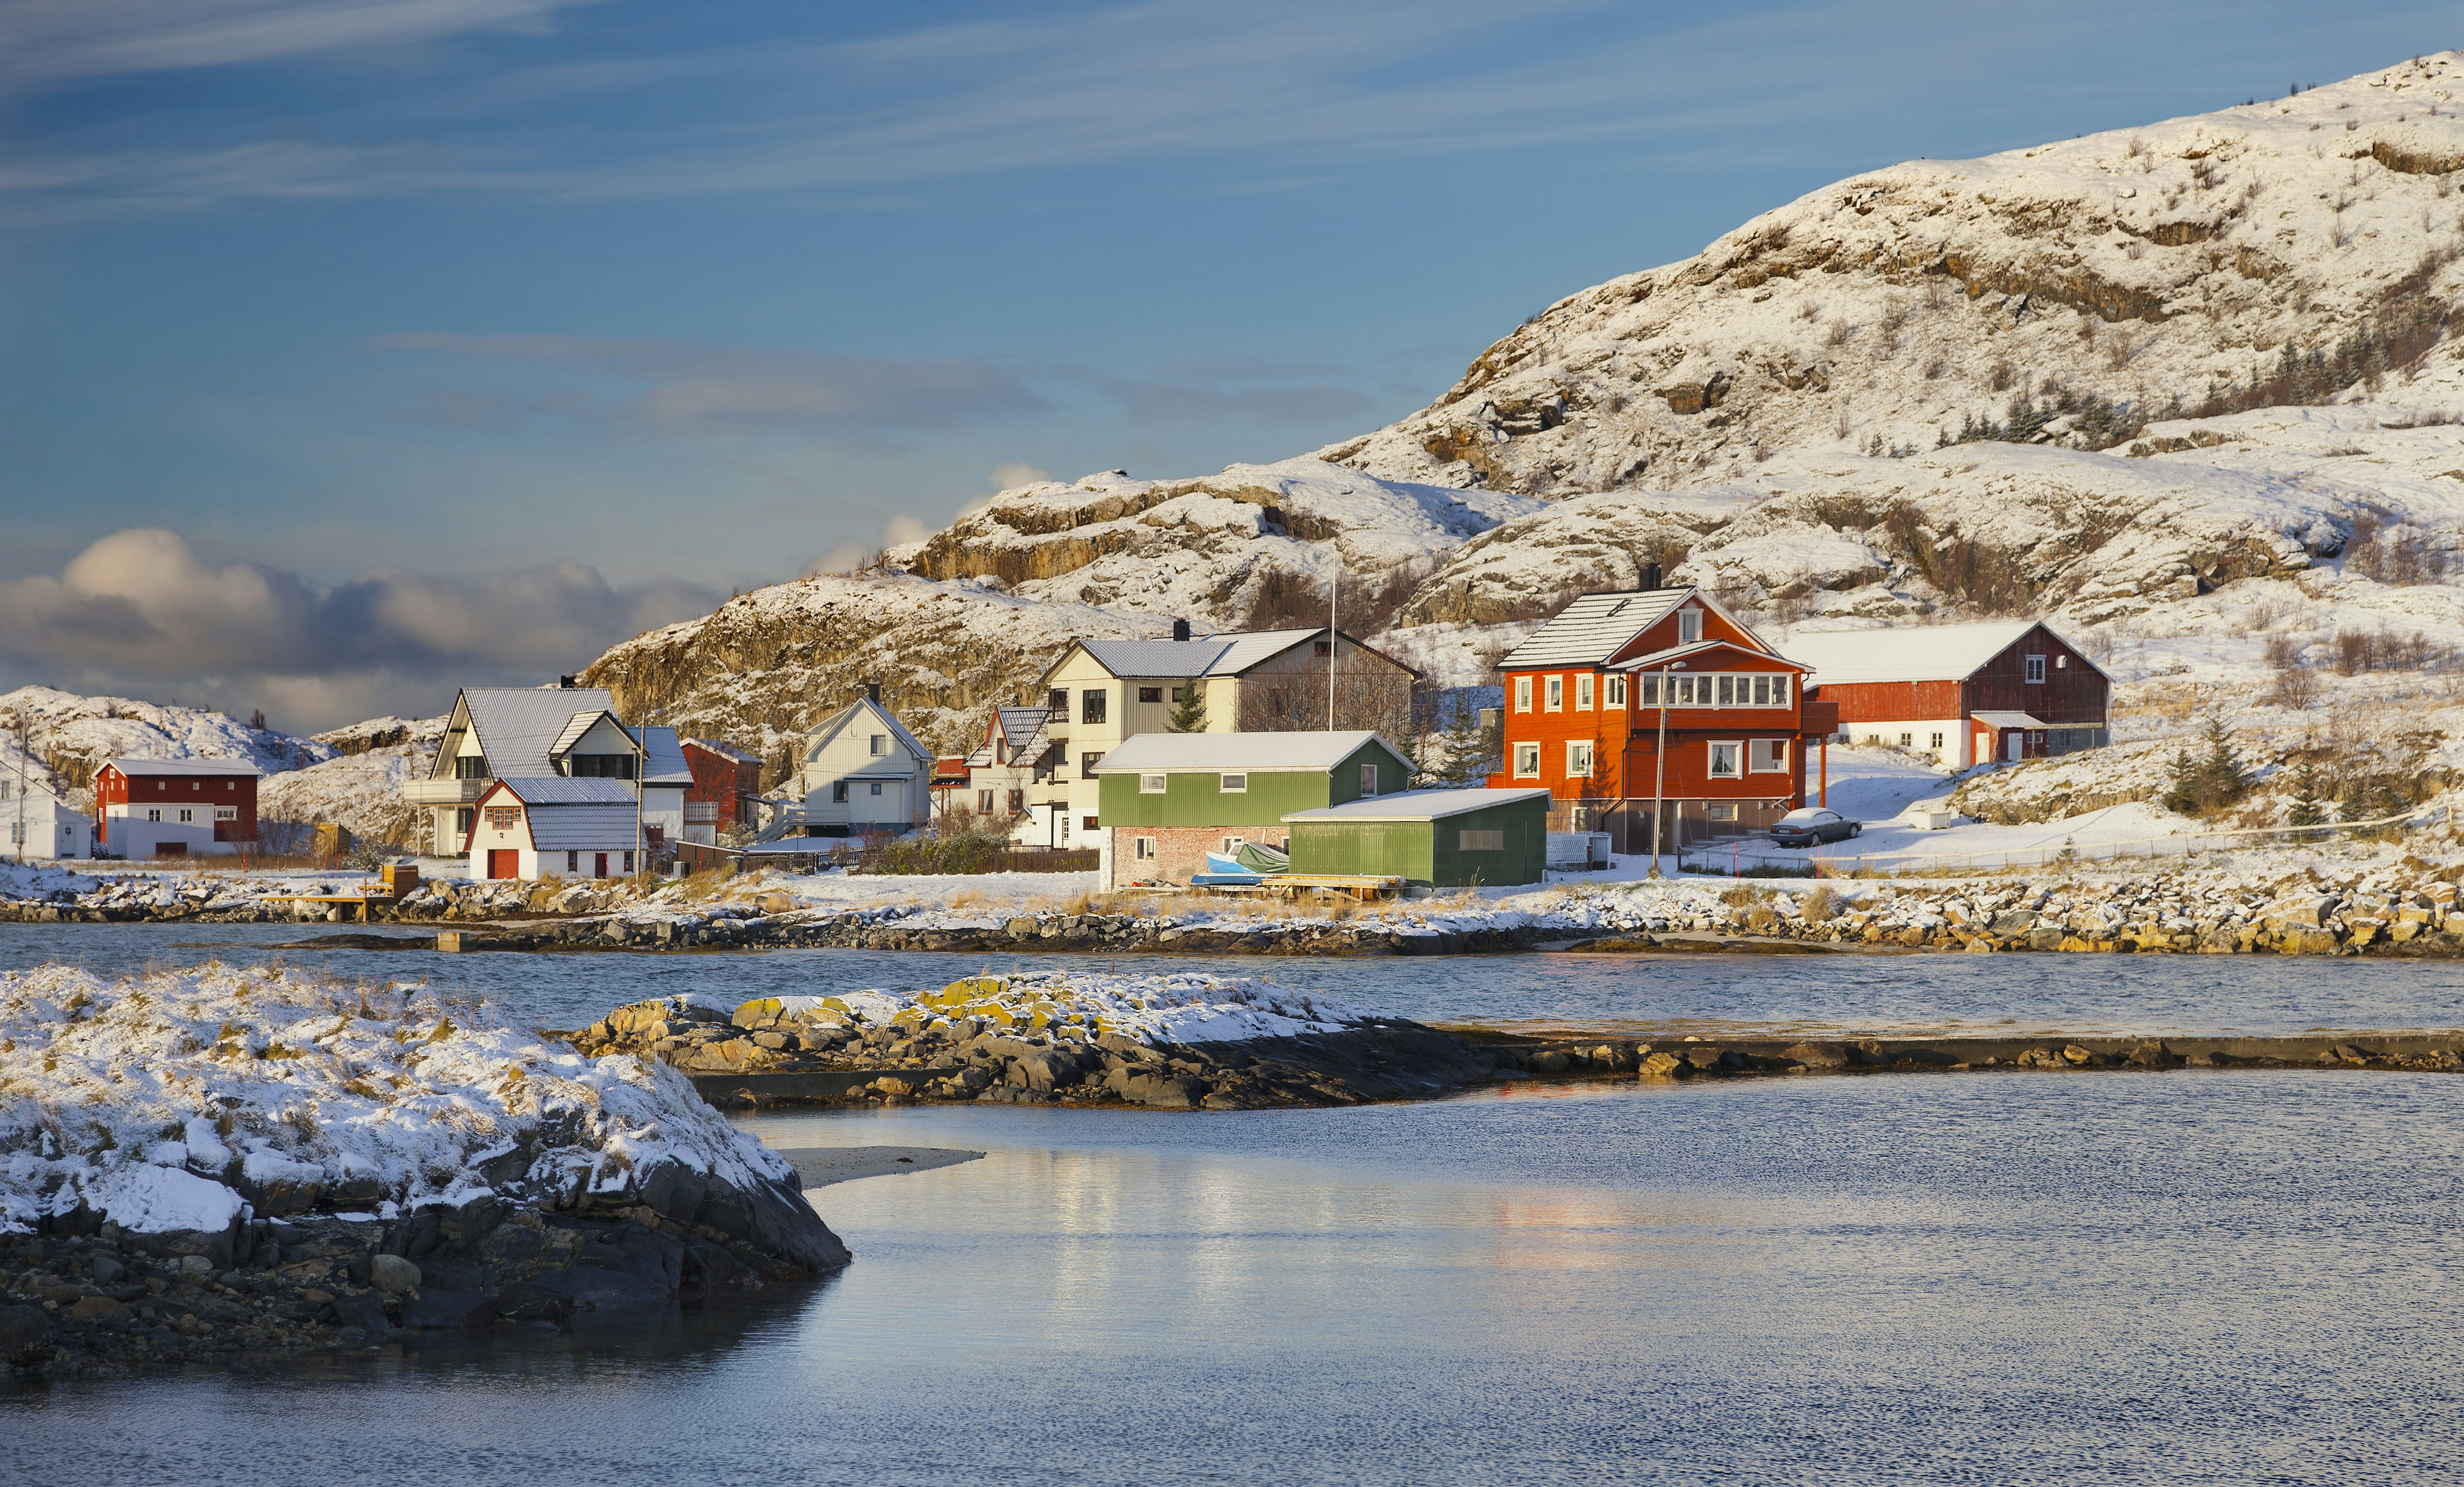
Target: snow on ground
[(155, 1097), (1175, 1008), (81, 734)]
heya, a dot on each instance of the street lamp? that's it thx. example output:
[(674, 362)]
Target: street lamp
[(1659, 768)]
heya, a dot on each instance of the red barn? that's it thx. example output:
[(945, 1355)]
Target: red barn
[(1622, 698), (725, 779), (174, 807), (1965, 693)]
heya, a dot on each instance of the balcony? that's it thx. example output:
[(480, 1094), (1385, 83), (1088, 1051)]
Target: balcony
[(445, 791)]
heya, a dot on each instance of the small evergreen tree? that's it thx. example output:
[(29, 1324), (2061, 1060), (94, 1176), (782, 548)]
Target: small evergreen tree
[(2182, 785), (2355, 803), (1189, 707), (1465, 763), (2307, 808), (2198, 786)]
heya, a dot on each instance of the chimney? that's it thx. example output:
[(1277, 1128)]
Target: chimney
[(1650, 575), (565, 681), (1180, 629), (872, 692)]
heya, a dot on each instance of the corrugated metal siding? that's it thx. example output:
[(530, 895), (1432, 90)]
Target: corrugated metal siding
[(1429, 854)]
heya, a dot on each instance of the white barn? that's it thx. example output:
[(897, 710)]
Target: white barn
[(36, 822)]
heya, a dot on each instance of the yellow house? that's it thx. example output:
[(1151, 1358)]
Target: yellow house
[(1101, 692)]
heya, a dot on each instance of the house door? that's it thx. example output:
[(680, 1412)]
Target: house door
[(504, 863), (2017, 744), (599, 864)]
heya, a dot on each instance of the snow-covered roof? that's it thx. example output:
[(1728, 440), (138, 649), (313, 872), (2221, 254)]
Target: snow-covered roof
[(1245, 648), (2006, 720), (723, 750), (519, 726), (216, 767), (565, 790), (1156, 657), (1904, 653), (1653, 661), (1418, 804), (1593, 627), (663, 757), (1162, 753)]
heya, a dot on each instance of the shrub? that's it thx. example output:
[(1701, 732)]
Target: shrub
[(2199, 786)]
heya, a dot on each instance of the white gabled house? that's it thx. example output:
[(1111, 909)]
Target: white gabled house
[(36, 822), (551, 826), (861, 773), (526, 780)]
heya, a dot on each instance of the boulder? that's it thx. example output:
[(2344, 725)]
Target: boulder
[(22, 1330), (392, 1274)]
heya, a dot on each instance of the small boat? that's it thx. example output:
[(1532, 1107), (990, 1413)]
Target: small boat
[(1225, 872)]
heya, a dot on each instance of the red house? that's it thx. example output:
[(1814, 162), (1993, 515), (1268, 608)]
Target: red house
[(725, 779), (1965, 693), (1660, 692), (174, 807)]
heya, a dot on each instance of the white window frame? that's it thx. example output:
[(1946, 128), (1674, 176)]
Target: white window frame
[(1614, 694), (1689, 625), (1583, 693), (187, 817), (1736, 768), (2035, 670), (1522, 694), (1754, 758), (880, 745), (225, 813), (1578, 760), (1527, 753), (1234, 783), (1762, 686), (154, 813), (1779, 688), (1723, 688), (1908, 740), (1555, 693), (1145, 850), (1153, 784), (1937, 740), (1719, 810)]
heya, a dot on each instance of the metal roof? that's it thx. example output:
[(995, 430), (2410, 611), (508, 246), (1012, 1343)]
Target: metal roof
[(723, 750), (519, 726), (1245, 648), (1156, 657), (1653, 661), (1592, 629), (1164, 752), (581, 828), (136, 766), (830, 726), (1905, 653), (662, 756), (1419, 804), (565, 790), (2006, 720), (575, 727)]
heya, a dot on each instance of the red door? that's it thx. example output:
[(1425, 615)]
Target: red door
[(601, 871), (504, 863)]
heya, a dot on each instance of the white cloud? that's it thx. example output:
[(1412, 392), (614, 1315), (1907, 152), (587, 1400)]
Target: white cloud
[(140, 609), (1016, 473), (902, 529), (55, 39)]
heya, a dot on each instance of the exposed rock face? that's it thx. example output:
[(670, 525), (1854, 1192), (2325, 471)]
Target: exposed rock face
[(2139, 264)]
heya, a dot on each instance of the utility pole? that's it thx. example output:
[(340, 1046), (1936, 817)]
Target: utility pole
[(20, 843), (641, 767), (1332, 589), (1659, 768)]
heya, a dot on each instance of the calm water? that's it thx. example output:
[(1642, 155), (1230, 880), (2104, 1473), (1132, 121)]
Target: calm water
[(2228, 1278), (2018, 993)]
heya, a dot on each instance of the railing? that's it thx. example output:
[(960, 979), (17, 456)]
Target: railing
[(2047, 854), (444, 792)]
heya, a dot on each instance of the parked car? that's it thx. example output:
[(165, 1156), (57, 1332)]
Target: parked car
[(1812, 826)]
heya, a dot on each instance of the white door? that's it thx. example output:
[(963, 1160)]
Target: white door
[(2018, 745)]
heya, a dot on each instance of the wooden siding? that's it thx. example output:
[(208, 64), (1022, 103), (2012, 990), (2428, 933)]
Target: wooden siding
[(2075, 696)]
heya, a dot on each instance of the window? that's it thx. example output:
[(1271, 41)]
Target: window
[(1175, 694), (628, 863), (1779, 691), (1017, 802), (1232, 845), (1686, 687), (984, 802), (1093, 704), (6, 785), (1582, 695), (573, 861), (1689, 627), (1579, 760), (1615, 692), (877, 745), (1727, 686), (2060, 662), (838, 792), (186, 815), (225, 813), (462, 819), (1091, 823), (1233, 784), (1480, 842), (1057, 699), (1768, 756), (1153, 694), (501, 817), (16, 834), (1086, 765), (1151, 784), (1724, 760), (1146, 850), (1908, 740), (470, 766), (1526, 760), (1721, 812), (1369, 779), (1761, 692), (1556, 694), (876, 787), (1325, 647), (2035, 668), (1651, 689), (156, 815), (1522, 694)]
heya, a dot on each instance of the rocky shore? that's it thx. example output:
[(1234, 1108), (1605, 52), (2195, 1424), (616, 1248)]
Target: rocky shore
[(225, 1164)]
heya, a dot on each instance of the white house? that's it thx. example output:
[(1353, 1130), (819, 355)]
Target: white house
[(551, 826), (1014, 775), (862, 773), (532, 738), (36, 822)]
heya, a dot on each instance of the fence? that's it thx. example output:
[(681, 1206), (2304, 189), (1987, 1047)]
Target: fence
[(2047, 854)]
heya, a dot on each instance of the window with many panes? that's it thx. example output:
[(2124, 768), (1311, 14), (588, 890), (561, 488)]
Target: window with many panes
[(2035, 668), (1093, 704)]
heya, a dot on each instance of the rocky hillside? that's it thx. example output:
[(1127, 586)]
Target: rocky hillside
[(68, 737), (359, 789), (2105, 379), (2307, 239)]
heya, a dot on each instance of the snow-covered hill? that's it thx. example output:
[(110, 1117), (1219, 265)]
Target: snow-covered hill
[(361, 788), (2179, 260), (68, 737)]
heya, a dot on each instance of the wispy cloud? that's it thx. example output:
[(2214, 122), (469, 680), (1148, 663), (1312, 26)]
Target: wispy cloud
[(52, 40)]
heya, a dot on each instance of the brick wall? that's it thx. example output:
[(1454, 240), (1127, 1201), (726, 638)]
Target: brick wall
[(1181, 851)]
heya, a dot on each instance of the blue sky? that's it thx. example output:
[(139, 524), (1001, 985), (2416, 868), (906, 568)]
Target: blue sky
[(488, 331)]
